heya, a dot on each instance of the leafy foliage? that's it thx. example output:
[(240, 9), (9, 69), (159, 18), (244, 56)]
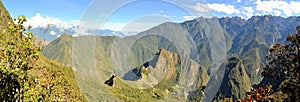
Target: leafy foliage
[(18, 55), (49, 83), (258, 94), (26, 77), (284, 63), (4, 17)]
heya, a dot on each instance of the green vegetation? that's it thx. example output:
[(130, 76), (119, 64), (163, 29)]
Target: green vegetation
[(4, 17), (236, 81), (283, 63), (144, 48), (173, 82), (92, 83), (283, 67), (25, 75), (247, 40), (128, 93), (18, 56)]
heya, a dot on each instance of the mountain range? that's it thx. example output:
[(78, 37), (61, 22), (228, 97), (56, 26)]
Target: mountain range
[(243, 43), (207, 57), (55, 31)]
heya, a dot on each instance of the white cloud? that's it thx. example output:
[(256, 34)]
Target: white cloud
[(278, 7), (228, 9), (58, 36), (269, 6), (189, 17), (161, 11), (199, 7), (225, 8), (114, 26), (165, 15), (39, 21), (53, 32), (277, 12), (258, 7), (61, 30), (248, 11), (84, 27)]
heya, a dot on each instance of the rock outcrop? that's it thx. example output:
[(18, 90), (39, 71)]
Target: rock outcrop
[(236, 82)]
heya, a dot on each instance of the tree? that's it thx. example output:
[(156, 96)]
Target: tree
[(283, 63), (25, 75), (18, 54)]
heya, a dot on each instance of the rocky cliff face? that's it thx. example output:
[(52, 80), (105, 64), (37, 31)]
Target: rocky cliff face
[(236, 82), (186, 74)]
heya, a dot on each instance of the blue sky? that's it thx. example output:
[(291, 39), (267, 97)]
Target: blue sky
[(66, 10), (116, 14)]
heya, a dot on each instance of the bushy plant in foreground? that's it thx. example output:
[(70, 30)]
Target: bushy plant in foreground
[(25, 75), (283, 63), (18, 55)]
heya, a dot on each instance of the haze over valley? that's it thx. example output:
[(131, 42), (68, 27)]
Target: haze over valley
[(150, 51)]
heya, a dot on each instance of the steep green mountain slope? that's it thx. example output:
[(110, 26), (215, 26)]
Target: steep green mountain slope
[(61, 79), (210, 38), (96, 67), (178, 75), (258, 34), (236, 82), (64, 53), (90, 58)]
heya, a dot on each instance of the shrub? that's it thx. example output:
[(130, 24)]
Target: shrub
[(18, 55)]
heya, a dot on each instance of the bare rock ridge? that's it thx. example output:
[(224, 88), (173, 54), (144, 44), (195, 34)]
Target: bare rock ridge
[(138, 72), (188, 74)]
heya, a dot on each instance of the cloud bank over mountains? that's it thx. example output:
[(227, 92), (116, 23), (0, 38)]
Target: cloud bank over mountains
[(242, 8), (248, 8), (38, 21), (58, 27)]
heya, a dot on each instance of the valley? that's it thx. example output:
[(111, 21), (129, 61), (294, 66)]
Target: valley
[(248, 42), (214, 58)]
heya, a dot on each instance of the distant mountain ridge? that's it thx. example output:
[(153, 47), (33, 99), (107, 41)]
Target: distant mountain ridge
[(247, 40), (54, 32)]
